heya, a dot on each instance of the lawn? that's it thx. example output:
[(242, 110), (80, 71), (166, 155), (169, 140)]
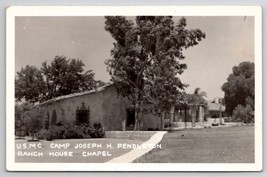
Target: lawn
[(211, 145)]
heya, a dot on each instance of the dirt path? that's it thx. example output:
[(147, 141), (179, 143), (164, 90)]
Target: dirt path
[(138, 152)]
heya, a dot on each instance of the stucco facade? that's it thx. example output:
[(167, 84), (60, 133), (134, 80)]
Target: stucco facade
[(103, 105)]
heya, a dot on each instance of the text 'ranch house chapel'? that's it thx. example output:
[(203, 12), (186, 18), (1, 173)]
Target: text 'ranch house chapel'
[(115, 113)]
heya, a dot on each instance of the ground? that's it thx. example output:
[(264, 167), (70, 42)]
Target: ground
[(211, 145)]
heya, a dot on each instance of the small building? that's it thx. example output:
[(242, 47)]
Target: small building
[(102, 105), (115, 113), (215, 107)]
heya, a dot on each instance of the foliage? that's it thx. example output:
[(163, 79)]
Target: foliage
[(42, 134), (240, 88), (20, 109), (34, 119), (62, 77), (29, 84), (97, 131), (194, 100), (197, 98), (146, 56), (243, 114), (69, 130)]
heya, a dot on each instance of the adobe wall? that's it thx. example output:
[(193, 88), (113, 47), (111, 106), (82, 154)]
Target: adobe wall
[(66, 108), (105, 107)]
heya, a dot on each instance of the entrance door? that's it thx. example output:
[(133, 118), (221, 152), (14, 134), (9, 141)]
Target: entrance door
[(130, 119)]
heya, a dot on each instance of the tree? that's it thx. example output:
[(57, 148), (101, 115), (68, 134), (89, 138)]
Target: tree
[(65, 76), (240, 88), (243, 114), (34, 120), (146, 59), (196, 99), (29, 84), (20, 109), (62, 77)]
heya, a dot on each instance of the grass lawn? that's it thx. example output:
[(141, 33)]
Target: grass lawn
[(77, 153), (212, 145)]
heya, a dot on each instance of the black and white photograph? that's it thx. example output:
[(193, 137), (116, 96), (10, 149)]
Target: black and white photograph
[(137, 88)]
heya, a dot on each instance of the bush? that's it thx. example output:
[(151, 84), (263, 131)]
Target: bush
[(228, 119), (74, 132), (20, 118), (70, 130), (243, 114), (42, 134), (34, 120), (97, 131)]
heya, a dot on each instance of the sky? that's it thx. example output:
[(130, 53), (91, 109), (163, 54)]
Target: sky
[(229, 41)]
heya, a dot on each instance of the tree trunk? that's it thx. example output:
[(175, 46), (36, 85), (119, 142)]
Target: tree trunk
[(162, 120), (172, 115), (137, 122), (33, 135), (185, 117), (137, 110)]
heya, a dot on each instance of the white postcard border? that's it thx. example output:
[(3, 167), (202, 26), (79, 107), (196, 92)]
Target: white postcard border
[(12, 12)]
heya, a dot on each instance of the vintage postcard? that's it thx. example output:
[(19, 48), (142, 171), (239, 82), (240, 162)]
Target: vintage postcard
[(134, 88)]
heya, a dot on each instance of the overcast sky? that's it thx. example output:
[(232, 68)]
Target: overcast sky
[(229, 41)]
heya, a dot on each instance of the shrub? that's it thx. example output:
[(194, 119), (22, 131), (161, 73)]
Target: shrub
[(34, 120), (228, 119), (243, 114), (73, 132), (97, 131), (20, 122), (42, 134), (70, 130)]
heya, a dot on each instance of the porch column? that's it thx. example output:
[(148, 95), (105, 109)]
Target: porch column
[(201, 115), (193, 110)]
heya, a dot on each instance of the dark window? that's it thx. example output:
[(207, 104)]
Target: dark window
[(46, 123), (54, 117), (130, 118), (82, 114)]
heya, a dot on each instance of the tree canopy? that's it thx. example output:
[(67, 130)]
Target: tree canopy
[(61, 77), (29, 84), (147, 58), (197, 98), (240, 87)]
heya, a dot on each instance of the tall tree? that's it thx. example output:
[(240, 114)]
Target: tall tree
[(196, 99), (240, 87), (29, 84), (62, 77), (146, 58), (65, 76), (34, 120), (20, 109)]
